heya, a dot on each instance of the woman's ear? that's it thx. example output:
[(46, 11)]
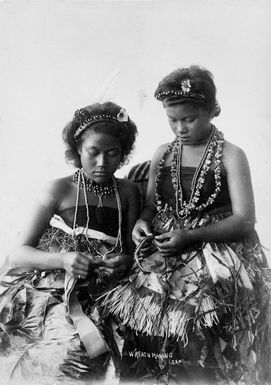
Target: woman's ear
[(79, 150), (215, 111)]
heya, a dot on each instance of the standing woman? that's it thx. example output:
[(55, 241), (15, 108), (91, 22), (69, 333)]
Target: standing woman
[(77, 243), (196, 302)]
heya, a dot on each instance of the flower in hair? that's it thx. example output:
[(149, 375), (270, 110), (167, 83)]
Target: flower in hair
[(186, 85), (122, 116), (79, 115)]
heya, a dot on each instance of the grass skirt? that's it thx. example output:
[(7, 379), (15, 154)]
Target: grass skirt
[(207, 309), (39, 343)]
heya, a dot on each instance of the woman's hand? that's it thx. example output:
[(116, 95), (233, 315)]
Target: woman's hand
[(141, 230), (172, 243), (117, 265), (78, 264)]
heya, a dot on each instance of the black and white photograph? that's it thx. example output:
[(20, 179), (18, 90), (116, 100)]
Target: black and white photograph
[(135, 192)]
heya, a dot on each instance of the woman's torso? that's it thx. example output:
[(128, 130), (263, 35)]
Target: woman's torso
[(222, 201), (104, 219)]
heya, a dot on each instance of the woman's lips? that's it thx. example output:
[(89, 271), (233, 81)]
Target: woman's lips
[(100, 173)]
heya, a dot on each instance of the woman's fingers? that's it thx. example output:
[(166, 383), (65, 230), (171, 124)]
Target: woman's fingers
[(80, 274), (117, 264), (93, 259), (166, 248), (164, 244), (163, 237), (137, 237), (79, 264), (140, 231), (115, 261), (113, 272), (108, 271)]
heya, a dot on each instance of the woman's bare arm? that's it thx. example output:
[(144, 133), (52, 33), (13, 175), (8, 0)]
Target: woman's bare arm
[(242, 220), (234, 227), (132, 213), (142, 227), (28, 256)]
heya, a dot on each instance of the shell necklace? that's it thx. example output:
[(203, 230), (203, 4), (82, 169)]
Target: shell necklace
[(211, 155), (100, 190)]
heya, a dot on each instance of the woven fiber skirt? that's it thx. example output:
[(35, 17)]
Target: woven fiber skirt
[(202, 314)]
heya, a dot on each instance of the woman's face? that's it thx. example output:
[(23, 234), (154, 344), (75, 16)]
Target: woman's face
[(100, 155), (191, 124)]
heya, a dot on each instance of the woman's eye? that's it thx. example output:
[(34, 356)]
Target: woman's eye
[(113, 153), (92, 153), (190, 120)]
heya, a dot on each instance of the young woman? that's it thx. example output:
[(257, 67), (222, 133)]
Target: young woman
[(195, 304), (77, 243)]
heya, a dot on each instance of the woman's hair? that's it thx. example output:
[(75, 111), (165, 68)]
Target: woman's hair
[(194, 85), (108, 118)]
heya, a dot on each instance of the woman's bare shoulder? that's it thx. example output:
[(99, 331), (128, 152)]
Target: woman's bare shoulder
[(60, 185), (53, 192), (161, 148), (231, 147), (233, 154), (158, 154)]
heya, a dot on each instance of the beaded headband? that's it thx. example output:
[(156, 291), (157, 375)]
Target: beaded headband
[(86, 120), (185, 91)]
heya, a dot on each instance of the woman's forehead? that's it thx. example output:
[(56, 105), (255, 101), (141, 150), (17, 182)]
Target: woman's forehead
[(181, 108), (98, 139)]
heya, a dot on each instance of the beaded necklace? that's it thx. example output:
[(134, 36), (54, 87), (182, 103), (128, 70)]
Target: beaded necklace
[(80, 180), (212, 154), (100, 190)]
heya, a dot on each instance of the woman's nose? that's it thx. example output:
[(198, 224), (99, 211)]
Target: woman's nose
[(180, 128), (101, 160)]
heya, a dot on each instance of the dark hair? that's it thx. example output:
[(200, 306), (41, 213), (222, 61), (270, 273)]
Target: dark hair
[(125, 131), (202, 92)]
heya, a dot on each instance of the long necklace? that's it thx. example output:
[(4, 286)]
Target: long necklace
[(212, 154), (100, 190), (79, 178)]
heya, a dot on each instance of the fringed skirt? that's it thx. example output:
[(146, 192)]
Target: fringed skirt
[(204, 314)]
